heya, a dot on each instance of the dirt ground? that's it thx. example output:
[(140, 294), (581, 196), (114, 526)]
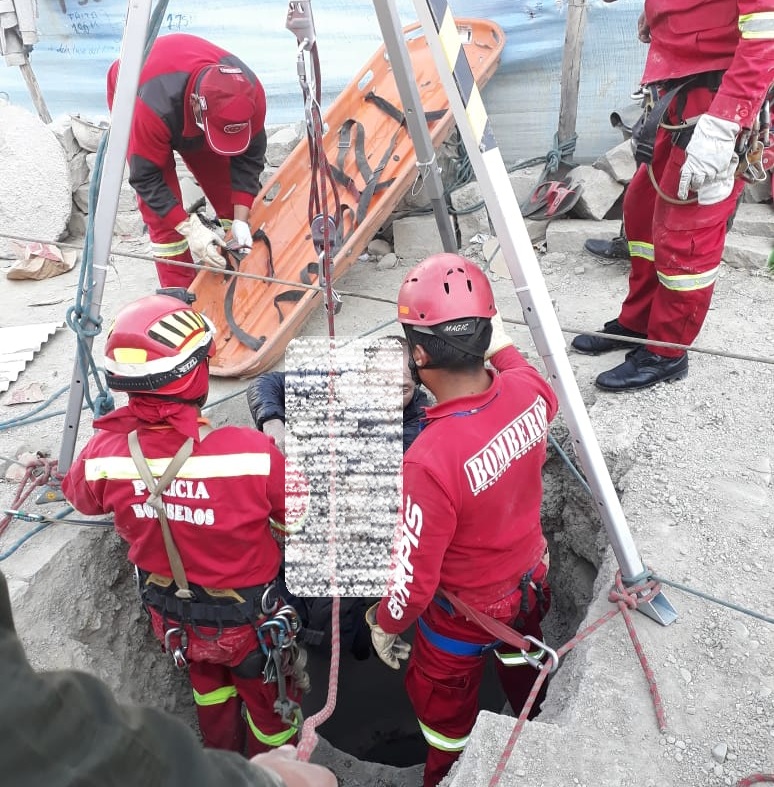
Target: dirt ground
[(692, 462)]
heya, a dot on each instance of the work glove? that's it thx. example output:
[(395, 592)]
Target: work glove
[(500, 339), (276, 429), (202, 241), (240, 232), (390, 648), (284, 768), (710, 164)]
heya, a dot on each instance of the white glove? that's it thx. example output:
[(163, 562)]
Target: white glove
[(711, 161), (390, 648), (276, 429), (500, 339), (240, 232), (283, 767), (203, 242)]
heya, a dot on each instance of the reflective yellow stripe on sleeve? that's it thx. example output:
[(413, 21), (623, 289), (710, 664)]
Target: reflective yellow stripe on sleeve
[(757, 25), (691, 281), (219, 466), (174, 249)]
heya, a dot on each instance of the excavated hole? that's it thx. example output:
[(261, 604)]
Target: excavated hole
[(81, 610)]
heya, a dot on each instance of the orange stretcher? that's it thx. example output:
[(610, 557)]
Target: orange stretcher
[(255, 319)]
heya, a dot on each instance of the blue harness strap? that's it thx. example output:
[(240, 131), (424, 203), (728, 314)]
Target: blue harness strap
[(456, 647)]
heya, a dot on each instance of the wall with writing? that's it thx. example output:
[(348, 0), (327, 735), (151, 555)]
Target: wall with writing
[(79, 39)]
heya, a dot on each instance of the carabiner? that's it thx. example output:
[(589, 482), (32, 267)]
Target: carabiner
[(553, 659)]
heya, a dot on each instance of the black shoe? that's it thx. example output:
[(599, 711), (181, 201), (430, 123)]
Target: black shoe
[(614, 249), (641, 369), (594, 345)]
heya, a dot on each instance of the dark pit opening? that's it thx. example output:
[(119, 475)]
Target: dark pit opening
[(96, 624)]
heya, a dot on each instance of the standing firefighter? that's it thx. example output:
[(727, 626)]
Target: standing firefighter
[(709, 68), (197, 99), (472, 491), (195, 504)]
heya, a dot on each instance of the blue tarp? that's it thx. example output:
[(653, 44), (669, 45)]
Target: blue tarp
[(80, 38)]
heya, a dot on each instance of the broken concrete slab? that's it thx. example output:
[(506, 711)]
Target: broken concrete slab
[(471, 214), (600, 192), (618, 162)]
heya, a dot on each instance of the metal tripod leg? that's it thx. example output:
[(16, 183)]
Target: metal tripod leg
[(492, 177), (394, 43), (104, 218)]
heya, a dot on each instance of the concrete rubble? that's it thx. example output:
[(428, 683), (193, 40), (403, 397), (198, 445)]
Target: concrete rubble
[(692, 469)]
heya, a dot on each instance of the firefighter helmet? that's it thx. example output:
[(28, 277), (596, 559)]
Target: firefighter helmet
[(159, 345), (443, 288), (450, 297)]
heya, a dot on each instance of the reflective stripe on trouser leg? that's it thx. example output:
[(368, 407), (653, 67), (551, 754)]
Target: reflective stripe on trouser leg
[(442, 742), (684, 282), (266, 730), (273, 740), (216, 697), (218, 706)]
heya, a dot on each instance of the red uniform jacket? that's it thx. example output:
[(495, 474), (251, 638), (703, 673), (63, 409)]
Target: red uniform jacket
[(163, 122), (472, 490), (218, 507), (694, 36)]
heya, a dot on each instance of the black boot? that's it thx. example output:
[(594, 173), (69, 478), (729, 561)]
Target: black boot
[(641, 369), (614, 249), (594, 345)]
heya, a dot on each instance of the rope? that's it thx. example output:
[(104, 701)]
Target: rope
[(319, 210), (626, 599), (38, 473), (756, 778)]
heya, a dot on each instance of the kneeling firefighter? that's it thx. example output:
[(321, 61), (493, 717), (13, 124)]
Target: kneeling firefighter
[(196, 506)]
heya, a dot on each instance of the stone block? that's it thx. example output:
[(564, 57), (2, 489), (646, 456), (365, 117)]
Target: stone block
[(81, 197), (569, 235), (618, 162), (754, 219), (416, 237), (747, 251), (62, 127), (77, 224), (600, 192), (191, 191), (129, 224)]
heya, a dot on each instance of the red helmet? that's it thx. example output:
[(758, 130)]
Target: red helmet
[(159, 345), (444, 288)]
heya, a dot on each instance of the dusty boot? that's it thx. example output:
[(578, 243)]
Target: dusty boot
[(594, 345), (614, 249)]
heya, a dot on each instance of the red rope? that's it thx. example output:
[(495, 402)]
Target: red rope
[(28, 483), (626, 599), (756, 778)]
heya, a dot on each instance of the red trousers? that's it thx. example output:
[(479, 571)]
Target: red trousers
[(220, 690), (675, 249), (213, 174), (443, 687)]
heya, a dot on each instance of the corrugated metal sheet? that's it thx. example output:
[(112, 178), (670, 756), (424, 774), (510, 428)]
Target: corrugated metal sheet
[(19, 345), (80, 38)]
